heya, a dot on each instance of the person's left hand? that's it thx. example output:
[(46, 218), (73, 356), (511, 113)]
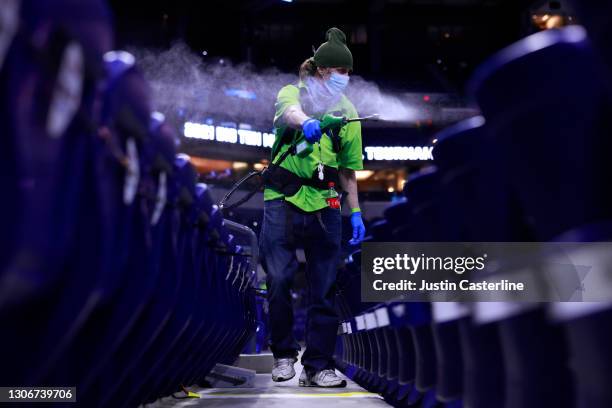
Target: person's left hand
[(358, 228)]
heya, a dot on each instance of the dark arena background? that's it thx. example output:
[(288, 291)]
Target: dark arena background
[(125, 283)]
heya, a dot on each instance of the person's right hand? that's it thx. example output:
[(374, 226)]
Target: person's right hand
[(312, 130)]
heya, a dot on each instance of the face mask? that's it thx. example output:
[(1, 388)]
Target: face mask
[(337, 83), (321, 95)]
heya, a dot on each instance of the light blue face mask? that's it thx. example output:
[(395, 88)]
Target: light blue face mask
[(337, 83), (321, 96)]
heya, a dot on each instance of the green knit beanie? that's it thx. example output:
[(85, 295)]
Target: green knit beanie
[(334, 52)]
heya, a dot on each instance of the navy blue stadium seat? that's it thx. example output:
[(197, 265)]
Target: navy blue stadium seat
[(135, 386), (555, 195), (536, 357), (479, 204), (449, 359), (483, 374), (50, 88), (122, 239), (117, 242), (533, 170), (149, 323), (118, 261), (166, 297), (172, 373), (427, 205), (422, 220), (553, 140), (589, 336), (479, 209)]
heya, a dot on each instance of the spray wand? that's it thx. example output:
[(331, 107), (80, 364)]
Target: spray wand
[(374, 117)]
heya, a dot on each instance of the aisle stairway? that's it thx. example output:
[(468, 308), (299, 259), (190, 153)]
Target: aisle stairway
[(267, 393)]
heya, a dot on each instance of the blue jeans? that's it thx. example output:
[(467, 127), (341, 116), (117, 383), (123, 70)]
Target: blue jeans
[(319, 233)]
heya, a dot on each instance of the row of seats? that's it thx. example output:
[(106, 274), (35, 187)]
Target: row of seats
[(532, 168), (118, 274)]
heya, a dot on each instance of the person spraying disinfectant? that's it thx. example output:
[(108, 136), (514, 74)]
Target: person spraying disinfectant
[(302, 207)]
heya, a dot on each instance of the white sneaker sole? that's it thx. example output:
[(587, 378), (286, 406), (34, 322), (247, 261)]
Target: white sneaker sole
[(303, 383), (281, 379)]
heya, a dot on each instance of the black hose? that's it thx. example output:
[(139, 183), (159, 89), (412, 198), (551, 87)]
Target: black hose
[(247, 197), (263, 174)]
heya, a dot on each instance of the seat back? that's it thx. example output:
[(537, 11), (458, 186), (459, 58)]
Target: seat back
[(549, 128)]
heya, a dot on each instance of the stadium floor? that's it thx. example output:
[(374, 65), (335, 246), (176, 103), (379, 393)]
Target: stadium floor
[(267, 393)]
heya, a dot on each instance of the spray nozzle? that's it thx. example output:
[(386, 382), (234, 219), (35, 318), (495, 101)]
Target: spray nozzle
[(373, 117)]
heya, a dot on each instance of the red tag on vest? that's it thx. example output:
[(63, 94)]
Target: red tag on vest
[(333, 202)]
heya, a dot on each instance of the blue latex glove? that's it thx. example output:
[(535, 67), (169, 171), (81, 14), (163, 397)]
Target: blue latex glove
[(358, 228), (312, 130)]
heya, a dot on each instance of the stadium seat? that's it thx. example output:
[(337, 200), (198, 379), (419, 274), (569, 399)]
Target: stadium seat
[(483, 374), (139, 381), (172, 374), (586, 323), (108, 307), (427, 205), (481, 211), (158, 196), (51, 88), (548, 127), (421, 191), (589, 336), (484, 205)]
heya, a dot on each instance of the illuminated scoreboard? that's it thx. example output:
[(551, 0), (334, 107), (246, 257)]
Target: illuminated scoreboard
[(225, 134), (245, 135)]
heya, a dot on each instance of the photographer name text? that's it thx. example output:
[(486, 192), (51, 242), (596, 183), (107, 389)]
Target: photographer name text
[(446, 285)]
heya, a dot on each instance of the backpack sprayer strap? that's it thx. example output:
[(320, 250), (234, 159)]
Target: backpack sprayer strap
[(289, 183), (289, 136)]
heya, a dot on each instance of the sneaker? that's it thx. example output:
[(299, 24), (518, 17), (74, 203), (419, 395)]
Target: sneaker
[(324, 378), (283, 369)]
